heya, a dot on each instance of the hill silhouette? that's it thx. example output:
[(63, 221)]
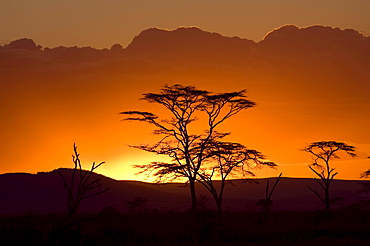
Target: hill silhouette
[(43, 193)]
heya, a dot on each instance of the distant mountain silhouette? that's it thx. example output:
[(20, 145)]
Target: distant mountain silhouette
[(195, 45), (318, 41), (43, 193), (189, 44), (22, 44), (315, 36)]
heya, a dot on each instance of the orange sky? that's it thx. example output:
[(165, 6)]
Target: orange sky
[(44, 113)]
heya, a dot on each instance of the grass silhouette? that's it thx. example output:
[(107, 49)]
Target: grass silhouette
[(350, 226)]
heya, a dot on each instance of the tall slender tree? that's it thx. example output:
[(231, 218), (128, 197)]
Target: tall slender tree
[(179, 141), (323, 152)]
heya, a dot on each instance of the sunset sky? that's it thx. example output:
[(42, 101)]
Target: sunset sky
[(46, 108)]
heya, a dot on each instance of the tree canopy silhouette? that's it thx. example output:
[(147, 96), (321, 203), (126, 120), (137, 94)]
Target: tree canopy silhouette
[(323, 152), (365, 185), (226, 160), (185, 146)]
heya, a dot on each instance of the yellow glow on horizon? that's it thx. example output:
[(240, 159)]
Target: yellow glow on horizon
[(122, 167), (348, 170)]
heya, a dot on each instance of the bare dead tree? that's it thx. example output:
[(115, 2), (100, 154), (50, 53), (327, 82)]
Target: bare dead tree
[(266, 203), (178, 139), (323, 152), (79, 185), (226, 160)]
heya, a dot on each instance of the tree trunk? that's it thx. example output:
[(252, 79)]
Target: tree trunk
[(72, 210), (73, 207), (327, 200), (219, 208), (266, 211), (193, 195)]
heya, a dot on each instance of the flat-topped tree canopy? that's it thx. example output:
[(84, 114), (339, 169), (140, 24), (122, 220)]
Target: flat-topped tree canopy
[(183, 145), (324, 152)]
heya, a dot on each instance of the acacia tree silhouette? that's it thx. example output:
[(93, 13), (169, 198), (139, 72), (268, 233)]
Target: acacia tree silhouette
[(225, 160), (365, 185), (324, 152), (80, 185), (184, 147)]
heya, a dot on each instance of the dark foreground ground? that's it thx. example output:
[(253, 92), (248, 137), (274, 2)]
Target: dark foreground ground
[(347, 227)]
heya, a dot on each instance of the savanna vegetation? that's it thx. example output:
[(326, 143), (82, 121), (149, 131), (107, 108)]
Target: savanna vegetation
[(204, 156), (198, 156), (349, 226)]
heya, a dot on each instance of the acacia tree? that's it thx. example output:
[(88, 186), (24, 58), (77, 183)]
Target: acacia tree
[(366, 184), (226, 160), (79, 185), (365, 174), (323, 152), (185, 147)]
